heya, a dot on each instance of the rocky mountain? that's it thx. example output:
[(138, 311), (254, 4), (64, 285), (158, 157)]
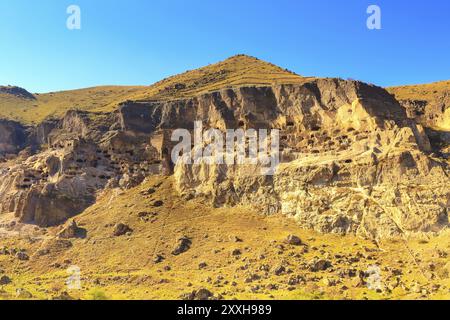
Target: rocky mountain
[(354, 159), (87, 179)]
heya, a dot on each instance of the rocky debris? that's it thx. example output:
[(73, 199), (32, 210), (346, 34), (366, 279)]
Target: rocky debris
[(148, 216), (293, 240), (63, 296), (158, 203), (329, 282), (121, 229), (236, 252), (296, 280), (128, 181), (9, 225), (279, 270), (57, 245), (148, 192), (235, 239), (71, 231), (22, 256), (442, 254), (158, 259), (347, 273), (252, 277), (201, 294), (5, 280), (359, 282), (23, 294), (183, 244), (317, 265), (202, 265), (417, 287)]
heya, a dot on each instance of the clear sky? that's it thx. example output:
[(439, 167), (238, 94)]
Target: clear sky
[(128, 42)]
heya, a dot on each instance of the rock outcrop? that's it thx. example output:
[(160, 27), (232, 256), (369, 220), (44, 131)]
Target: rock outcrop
[(352, 160), (13, 137), (17, 92), (79, 156), (431, 114)]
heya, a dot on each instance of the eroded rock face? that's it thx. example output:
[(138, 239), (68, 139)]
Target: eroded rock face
[(352, 159), (431, 114), (52, 186), (434, 116), (13, 137), (80, 155), (377, 197), (352, 163)]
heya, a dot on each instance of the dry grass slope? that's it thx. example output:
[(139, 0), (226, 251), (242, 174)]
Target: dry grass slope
[(426, 92), (123, 267), (240, 70), (56, 104)]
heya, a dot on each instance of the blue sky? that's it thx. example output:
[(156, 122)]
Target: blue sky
[(142, 41)]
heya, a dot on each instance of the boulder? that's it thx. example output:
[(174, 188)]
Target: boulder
[(319, 265), (183, 244), (293, 240), (71, 231), (22, 256), (121, 229), (201, 295), (5, 280)]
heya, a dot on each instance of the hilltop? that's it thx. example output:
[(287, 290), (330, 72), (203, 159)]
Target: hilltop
[(235, 253), (239, 70)]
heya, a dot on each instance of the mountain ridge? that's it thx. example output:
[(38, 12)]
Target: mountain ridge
[(237, 71)]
